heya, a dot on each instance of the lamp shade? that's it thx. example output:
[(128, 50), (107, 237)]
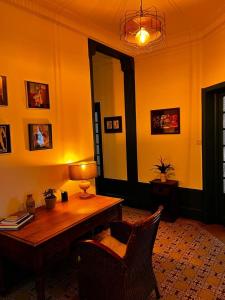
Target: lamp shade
[(143, 29), (83, 170)]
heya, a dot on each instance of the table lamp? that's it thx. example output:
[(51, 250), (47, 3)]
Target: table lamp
[(82, 171)]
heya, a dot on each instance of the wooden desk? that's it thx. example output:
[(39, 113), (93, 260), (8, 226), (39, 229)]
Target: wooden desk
[(53, 231)]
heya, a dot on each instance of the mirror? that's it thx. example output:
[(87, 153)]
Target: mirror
[(113, 96), (110, 133)]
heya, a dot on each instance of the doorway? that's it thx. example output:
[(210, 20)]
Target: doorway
[(213, 145), (118, 168)]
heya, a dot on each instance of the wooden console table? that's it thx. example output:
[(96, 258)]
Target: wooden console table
[(165, 193), (53, 231)]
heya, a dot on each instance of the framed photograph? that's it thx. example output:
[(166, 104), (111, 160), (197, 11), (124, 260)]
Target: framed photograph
[(113, 124), (37, 95), (3, 91), (5, 143), (40, 136), (165, 121)]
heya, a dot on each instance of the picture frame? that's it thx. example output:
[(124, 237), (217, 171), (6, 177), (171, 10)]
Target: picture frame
[(3, 91), (40, 136), (113, 124), (165, 121), (5, 141), (37, 95)]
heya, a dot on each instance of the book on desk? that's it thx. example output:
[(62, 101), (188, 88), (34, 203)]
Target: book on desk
[(15, 222)]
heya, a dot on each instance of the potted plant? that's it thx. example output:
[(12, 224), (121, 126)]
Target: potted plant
[(50, 198), (163, 168)]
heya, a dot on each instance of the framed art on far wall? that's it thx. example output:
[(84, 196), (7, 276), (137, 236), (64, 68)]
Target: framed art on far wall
[(37, 95), (3, 91), (5, 143), (40, 136), (113, 124), (165, 121)]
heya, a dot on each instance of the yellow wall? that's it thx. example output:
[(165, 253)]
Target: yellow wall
[(174, 78), (36, 49), (109, 91)]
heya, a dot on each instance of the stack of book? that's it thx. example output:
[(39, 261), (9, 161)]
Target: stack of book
[(15, 221)]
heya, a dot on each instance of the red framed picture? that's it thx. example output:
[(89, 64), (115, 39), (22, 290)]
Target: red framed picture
[(37, 95), (165, 121)]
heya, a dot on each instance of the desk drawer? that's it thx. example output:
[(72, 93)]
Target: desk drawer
[(102, 218)]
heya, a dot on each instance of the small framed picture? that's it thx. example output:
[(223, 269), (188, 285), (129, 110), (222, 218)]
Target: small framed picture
[(165, 121), (40, 136), (113, 124), (5, 143), (3, 91), (37, 95)]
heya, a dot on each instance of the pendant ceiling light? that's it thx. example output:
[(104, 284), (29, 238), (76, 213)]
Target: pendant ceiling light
[(143, 29)]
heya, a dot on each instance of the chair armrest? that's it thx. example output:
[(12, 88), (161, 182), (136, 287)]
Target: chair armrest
[(121, 230)]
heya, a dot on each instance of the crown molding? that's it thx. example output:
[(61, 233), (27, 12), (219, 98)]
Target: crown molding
[(214, 27), (188, 38), (72, 21)]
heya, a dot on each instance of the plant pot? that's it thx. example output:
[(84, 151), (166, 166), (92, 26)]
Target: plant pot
[(50, 202), (163, 177)]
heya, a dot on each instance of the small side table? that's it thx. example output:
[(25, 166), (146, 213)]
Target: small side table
[(165, 193)]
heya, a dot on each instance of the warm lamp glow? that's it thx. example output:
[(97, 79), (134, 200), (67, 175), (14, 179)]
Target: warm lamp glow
[(142, 37), (83, 167), (143, 29), (69, 157), (83, 171)]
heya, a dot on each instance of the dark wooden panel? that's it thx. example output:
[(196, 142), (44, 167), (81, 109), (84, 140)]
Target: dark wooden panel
[(138, 195), (191, 203)]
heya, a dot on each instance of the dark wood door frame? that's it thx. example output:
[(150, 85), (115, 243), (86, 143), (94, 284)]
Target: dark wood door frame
[(211, 204), (127, 66), (97, 109)]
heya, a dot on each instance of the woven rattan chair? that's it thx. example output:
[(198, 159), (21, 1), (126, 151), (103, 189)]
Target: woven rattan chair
[(120, 266)]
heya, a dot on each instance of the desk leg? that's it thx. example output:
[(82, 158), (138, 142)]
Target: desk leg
[(120, 213), (40, 286), (39, 278), (2, 277)]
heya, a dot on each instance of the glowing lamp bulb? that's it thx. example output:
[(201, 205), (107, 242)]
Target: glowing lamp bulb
[(142, 37), (83, 167)]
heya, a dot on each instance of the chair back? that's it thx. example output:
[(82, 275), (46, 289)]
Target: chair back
[(141, 242)]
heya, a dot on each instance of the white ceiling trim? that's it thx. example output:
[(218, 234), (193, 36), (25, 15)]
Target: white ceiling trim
[(88, 30), (74, 22)]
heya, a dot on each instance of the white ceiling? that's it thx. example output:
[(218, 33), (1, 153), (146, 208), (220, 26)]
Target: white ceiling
[(186, 20), (181, 15)]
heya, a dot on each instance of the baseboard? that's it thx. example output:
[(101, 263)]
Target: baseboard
[(138, 195), (191, 213), (191, 203)]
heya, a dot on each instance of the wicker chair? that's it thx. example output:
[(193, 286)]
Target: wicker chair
[(122, 273)]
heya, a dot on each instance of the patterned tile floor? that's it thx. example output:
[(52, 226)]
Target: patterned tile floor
[(189, 263)]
